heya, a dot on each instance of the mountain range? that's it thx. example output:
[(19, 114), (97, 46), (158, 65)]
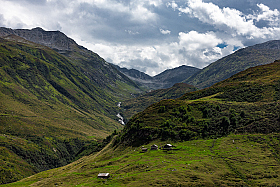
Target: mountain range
[(217, 71), (240, 60), (224, 135), (165, 79), (59, 100)]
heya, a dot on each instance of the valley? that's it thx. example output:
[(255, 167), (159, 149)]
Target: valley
[(67, 115)]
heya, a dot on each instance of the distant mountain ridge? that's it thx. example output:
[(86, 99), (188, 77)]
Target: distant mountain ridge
[(79, 54), (176, 75), (240, 60), (53, 39), (166, 79), (138, 104)]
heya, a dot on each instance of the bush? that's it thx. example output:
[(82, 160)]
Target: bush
[(161, 109)]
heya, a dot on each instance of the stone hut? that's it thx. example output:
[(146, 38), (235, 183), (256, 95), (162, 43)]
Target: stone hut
[(168, 146), (154, 147), (144, 149)]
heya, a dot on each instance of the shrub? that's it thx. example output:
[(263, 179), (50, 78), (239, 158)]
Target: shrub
[(161, 109)]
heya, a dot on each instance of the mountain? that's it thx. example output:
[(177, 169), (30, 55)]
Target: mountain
[(240, 60), (224, 135), (176, 75), (134, 74), (138, 104), (245, 103), (103, 74), (53, 102), (165, 79)]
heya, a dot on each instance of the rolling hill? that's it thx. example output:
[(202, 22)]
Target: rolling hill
[(242, 59)]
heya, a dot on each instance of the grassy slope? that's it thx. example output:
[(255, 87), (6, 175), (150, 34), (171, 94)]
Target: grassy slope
[(235, 160), (232, 64), (232, 128), (247, 102), (133, 106), (102, 74), (48, 110)]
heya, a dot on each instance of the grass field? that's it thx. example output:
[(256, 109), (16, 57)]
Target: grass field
[(236, 160)]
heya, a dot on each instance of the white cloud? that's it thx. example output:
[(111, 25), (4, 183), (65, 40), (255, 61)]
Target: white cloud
[(172, 5), (164, 31), (231, 20), (267, 14), (193, 40), (134, 33)]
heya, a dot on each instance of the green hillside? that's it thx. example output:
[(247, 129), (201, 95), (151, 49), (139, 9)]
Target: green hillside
[(102, 74), (245, 103), (224, 135), (235, 160), (138, 104), (49, 109), (242, 59)]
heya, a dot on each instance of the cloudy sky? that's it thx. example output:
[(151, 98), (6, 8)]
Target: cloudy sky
[(152, 35)]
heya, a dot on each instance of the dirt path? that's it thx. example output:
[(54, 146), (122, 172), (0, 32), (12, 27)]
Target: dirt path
[(104, 149)]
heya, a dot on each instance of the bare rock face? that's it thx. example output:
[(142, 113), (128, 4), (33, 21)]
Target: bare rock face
[(53, 39)]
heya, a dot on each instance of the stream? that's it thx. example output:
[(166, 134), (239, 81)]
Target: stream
[(119, 115)]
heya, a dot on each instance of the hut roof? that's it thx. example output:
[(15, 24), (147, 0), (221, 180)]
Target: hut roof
[(103, 174)]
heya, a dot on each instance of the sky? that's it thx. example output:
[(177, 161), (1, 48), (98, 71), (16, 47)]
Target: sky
[(152, 35)]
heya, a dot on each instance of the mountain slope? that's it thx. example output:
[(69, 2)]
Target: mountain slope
[(248, 102), (224, 135), (165, 79), (240, 60), (176, 75), (48, 109), (138, 104), (236, 160), (103, 74)]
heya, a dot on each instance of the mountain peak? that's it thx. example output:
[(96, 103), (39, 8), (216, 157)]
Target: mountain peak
[(37, 29), (53, 39)]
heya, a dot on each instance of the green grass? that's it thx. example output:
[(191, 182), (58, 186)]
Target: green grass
[(236, 160)]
